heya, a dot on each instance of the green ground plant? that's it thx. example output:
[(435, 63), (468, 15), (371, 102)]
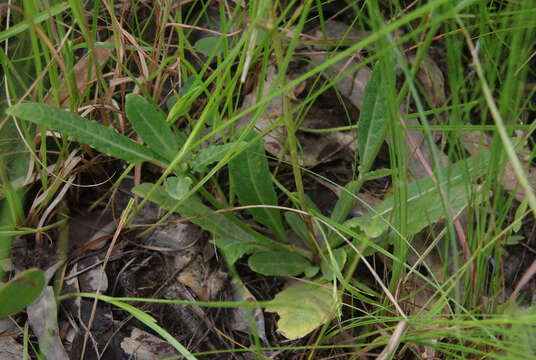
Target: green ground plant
[(465, 315)]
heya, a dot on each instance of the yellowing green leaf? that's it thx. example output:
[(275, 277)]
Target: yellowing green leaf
[(302, 307)]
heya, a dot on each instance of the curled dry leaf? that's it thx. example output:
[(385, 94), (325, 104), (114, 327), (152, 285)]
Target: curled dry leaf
[(144, 346), (476, 142), (351, 86), (83, 74), (431, 79), (94, 278), (242, 317), (9, 348), (315, 148), (420, 152), (205, 285), (43, 318)]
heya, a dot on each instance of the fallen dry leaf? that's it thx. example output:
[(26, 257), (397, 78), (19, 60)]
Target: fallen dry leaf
[(43, 318), (83, 75), (144, 346)]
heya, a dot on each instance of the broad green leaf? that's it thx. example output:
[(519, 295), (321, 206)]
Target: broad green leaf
[(311, 271), (251, 180), (424, 204), (235, 248), (297, 225), (99, 137), (342, 208), (224, 226), (209, 46), (178, 187), (311, 207), (340, 257), (345, 203), (372, 124), (309, 306), (513, 240), (371, 226), (278, 263), (210, 155), (21, 291), (151, 126)]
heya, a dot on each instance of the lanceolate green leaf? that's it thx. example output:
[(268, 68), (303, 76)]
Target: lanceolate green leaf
[(235, 248), (210, 155), (251, 180), (424, 199), (373, 118), (346, 201), (99, 137), (278, 263), (151, 126), (219, 224), (342, 208), (297, 225)]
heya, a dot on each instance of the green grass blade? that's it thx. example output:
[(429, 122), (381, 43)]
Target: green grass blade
[(151, 126), (23, 26), (99, 137), (151, 323)]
